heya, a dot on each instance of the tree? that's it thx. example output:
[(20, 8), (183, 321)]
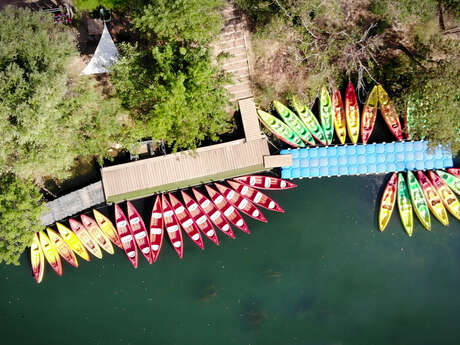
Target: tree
[(20, 211)]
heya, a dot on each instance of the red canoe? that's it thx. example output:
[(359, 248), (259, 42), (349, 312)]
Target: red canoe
[(200, 218), (265, 182), (186, 221), (139, 231), (172, 226), (255, 196), (156, 228), (228, 210), (454, 171), (126, 236), (213, 213), (240, 202)]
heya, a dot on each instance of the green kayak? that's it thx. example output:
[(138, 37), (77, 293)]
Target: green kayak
[(404, 205), (418, 201), (309, 119), (326, 115), (280, 129), (291, 119), (452, 181)]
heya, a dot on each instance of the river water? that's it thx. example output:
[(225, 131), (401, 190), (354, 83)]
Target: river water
[(319, 274)]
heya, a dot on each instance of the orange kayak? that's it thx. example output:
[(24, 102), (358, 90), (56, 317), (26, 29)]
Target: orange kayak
[(388, 201), (340, 122), (51, 253), (84, 236), (63, 248), (389, 113), (96, 233), (37, 259)]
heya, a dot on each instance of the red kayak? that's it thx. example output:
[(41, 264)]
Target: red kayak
[(200, 218), (172, 226), (255, 196), (214, 214), (228, 210), (186, 221), (265, 182), (156, 228), (139, 231), (126, 236), (454, 171), (240, 202)]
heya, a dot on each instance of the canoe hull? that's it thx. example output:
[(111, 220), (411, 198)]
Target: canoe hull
[(451, 180), (310, 121), (434, 201), (73, 241), (352, 113), (140, 232), (62, 247), (37, 259), (126, 236), (293, 122), (340, 123), (279, 129), (96, 233), (85, 238), (258, 198), (418, 201), (107, 228), (156, 228), (50, 252), (405, 206), (326, 114), (388, 201), (369, 115), (389, 114), (265, 182), (172, 227), (448, 197)]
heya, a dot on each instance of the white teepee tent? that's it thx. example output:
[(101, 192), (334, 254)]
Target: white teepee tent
[(106, 55)]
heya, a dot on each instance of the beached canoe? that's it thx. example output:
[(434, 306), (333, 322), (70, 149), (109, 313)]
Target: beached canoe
[(291, 119), (200, 218), (186, 221), (448, 197), (62, 247), (51, 253), (451, 180), (156, 228), (139, 232), (279, 129), (37, 259), (96, 233), (107, 228), (172, 226), (352, 113), (73, 241), (126, 236), (404, 205), (85, 238), (229, 211), (387, 203), (326, 115), (389, 113), (265, 182), (240, 202), (434, 201), (369, 115), (340, 123), (213, 213), (309, 120), (258, 198), (418, 201), (454, 171)]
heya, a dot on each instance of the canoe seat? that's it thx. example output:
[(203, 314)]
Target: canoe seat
[(187, 223), (240, 222), (215, 215), (244, 190), (243, 204), (226, 227), (258, 197), (271, 204), (193, 207), (172, 228), (156, 215), (177, 244), (230, 194), (267, 182), (255, 213), (131, 254), (229, 211), (134, 220), (180, 209), (168, 213), (205, 203), (140, 235), (155, 231), (201, 220), (155, 247), (210, 233), (252, 180), (219, 199), (196, 237), (146, 250), (122, 223), (127, 238)]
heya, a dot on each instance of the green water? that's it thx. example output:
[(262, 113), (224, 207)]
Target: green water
[(319, 274)]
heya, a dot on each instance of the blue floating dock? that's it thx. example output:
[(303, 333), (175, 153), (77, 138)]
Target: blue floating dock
[(365, 159)]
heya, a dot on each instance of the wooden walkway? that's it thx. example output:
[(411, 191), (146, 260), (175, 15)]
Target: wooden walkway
[(234, 40)]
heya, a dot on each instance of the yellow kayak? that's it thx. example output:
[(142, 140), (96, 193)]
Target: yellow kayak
[(405, 206), (73, 241), (51, 253), (433, 199), (448, 197), (63, 248), (388, 201), (107, 228), (340, 123), (37, 260)]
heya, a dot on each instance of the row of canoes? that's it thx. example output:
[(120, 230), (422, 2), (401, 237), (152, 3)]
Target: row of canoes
[(192, 215), (422, 194), (300, 127)]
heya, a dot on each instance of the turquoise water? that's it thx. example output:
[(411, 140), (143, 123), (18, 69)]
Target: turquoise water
[(319, 274)]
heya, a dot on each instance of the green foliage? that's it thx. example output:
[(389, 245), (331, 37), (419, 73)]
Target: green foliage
[(174, 93), (181, 20), (46, 118), (20, 211), (433, 103), (93, 4)]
